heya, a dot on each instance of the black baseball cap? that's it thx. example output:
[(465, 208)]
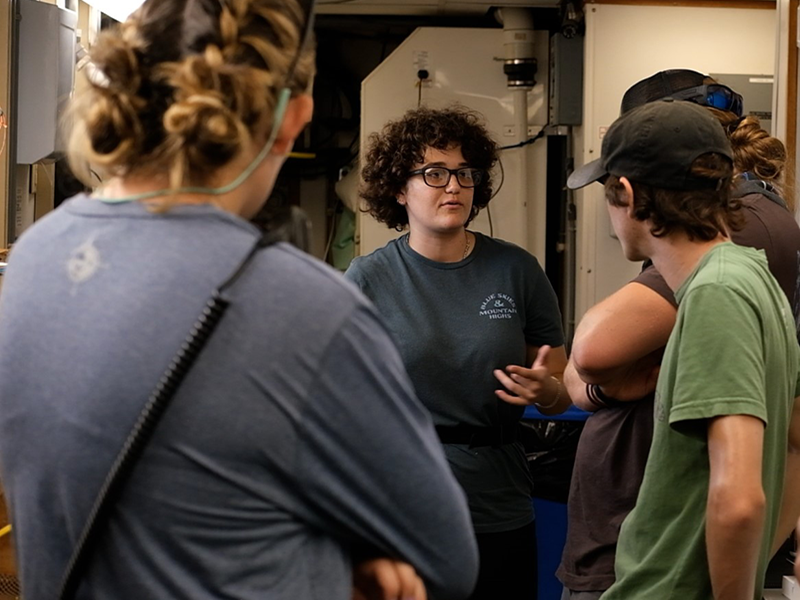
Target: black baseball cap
[(683, 84), (656, 144)]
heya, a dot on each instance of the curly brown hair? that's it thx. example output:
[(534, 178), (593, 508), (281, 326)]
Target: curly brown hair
[(700, 214), (756, 151), (401, 145), (183, 85)]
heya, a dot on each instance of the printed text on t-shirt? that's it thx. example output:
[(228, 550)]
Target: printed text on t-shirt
[(498, 306)]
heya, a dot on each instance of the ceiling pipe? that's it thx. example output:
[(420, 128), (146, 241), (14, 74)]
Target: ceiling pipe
[(518, 35)]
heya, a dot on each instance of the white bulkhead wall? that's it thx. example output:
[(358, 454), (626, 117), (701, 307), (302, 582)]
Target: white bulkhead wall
[(623, 45), (465, 65)]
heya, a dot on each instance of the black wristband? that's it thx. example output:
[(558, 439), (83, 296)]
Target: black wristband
[(597, 397)]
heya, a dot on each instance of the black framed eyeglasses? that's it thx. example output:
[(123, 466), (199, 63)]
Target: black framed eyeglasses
[(439, 177), (715, 95)]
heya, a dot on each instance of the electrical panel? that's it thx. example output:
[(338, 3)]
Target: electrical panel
[(566, 80)]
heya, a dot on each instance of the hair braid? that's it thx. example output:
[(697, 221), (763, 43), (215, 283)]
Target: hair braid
[(184, 86)]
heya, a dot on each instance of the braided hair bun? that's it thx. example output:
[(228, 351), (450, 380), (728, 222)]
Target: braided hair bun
[(182, 86)]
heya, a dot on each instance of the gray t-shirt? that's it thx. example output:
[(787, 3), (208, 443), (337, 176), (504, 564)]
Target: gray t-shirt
[(294, 442), (454, 323)]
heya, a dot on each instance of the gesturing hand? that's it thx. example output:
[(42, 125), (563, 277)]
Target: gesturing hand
[(528, 386), (387, 579)]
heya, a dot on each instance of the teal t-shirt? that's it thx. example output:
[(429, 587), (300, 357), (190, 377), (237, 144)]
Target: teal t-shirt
[(733, 351), (454, 323)]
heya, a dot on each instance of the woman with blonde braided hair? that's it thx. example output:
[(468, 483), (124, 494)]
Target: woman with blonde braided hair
[(757, 155), (293, 461)]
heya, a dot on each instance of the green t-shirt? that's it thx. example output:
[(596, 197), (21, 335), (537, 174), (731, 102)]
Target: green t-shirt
[(733, 351)]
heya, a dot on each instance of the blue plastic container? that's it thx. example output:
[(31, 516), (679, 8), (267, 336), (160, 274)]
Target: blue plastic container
[(551, 520)]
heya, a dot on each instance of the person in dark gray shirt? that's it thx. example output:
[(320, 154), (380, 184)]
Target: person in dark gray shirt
[(295, 451), (475, 319)]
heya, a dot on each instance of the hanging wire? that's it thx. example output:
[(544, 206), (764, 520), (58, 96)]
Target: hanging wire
[(4, 127), (502, 177), (532, 140), (332, 225), (538, 136), (497, 191)]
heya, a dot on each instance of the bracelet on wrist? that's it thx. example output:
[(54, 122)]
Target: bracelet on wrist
[(557, 396)]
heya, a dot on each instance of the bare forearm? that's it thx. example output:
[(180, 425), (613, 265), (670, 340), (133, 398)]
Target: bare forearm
[(736, 505), (733, 539), (586, 396), (598, 375), (623, 384), (631, 323)]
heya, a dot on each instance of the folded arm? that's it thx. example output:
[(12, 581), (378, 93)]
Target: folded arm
[(618, 345), (371, 469)]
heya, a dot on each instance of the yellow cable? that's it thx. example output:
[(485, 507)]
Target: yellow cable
[(5, 530), (302, 155)]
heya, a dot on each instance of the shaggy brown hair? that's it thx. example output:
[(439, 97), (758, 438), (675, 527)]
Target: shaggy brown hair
[(700, 214), (396, 150)]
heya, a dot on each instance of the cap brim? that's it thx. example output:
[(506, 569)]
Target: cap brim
[(588, 173)]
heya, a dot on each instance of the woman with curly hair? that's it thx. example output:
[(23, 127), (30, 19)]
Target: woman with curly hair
[(271, 472), (476, 321)]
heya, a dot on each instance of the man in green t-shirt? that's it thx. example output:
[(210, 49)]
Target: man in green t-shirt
[(712, 498)]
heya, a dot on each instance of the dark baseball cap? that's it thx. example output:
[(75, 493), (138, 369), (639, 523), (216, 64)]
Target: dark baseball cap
[(656, 144), (683, 84)]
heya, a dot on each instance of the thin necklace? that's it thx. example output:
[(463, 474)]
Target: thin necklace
[(466, 248)]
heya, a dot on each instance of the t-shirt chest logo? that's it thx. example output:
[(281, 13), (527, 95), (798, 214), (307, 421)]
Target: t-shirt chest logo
[(84, 261), (498, 306)]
